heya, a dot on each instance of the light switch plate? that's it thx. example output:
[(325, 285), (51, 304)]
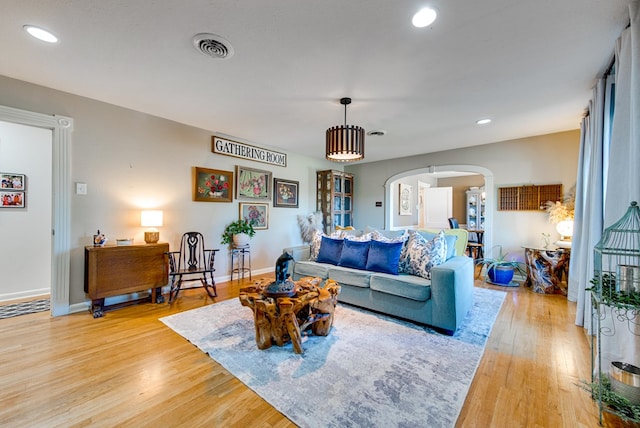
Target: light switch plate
[(81, 188)]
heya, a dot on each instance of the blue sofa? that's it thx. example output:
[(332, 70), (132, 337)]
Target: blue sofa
[(441, 302)]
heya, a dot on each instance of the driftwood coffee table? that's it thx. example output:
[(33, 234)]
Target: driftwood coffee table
[(283, 319)]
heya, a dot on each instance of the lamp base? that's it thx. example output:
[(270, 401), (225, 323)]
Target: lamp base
[(151, 237)]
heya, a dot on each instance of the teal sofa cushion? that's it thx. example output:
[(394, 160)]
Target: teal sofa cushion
[(408, 286), (354, 277), (310, 268)]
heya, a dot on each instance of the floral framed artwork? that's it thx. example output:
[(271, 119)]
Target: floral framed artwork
[(253, 183), (285, 193), (212, 185), (255, 213), (12, 199)]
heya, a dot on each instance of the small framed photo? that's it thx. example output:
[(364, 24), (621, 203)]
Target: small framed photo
[(256, 213), (285, 193), (212, 185), (12, 181), (253, 183), (12, 199)]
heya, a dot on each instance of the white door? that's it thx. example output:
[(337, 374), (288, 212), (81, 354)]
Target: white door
[(437, 206)]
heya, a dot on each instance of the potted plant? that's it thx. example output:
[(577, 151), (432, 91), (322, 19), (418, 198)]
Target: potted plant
[(500, 270), (234, 231)]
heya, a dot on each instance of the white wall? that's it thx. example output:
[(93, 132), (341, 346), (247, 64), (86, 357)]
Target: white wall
[(25, 245), (544, 159), (130, 160)]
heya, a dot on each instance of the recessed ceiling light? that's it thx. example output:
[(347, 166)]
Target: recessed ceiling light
[(40, 33), (424, 17), (483, 121)]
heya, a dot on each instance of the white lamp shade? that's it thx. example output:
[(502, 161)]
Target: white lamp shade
[(151, 218), (565, 228)]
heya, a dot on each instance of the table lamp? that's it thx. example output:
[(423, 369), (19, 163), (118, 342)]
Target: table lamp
[(565, 229), (152, 219)]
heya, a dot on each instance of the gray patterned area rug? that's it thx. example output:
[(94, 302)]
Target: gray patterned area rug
[(15, 309), (371, 371)]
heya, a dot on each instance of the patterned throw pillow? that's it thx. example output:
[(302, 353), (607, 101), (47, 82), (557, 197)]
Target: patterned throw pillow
[(342, 233), (401, 236), (420, 256), (365, 237)]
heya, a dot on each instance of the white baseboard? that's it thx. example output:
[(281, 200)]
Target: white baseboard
[(25, 294)]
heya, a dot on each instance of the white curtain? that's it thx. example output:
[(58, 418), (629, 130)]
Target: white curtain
[(623, 184), (608, 175), (588, 212), (623, 178)]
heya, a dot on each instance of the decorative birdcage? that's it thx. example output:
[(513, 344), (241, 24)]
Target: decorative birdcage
[(616, 278), (615, 296)]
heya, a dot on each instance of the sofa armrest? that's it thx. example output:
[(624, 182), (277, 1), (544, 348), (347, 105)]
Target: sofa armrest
[(300, 252), (452, 291)]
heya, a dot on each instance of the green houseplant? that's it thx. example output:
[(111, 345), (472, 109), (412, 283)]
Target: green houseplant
[(500, 269), (237, 227)]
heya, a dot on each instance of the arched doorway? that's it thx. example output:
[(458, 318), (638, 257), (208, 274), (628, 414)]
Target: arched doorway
[(390, 196)]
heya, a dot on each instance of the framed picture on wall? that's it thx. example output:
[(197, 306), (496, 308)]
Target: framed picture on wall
[(285, 193), (404, 200), (12, 199), (256, 213), (253, 183), (212, 185), (13, 181)]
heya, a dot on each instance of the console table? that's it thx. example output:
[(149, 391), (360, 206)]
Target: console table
[(116, 270), (547, 270)]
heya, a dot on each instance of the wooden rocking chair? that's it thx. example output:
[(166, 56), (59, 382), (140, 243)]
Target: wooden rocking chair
[(192, 260)]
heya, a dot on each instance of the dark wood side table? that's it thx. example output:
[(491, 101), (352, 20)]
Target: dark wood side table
[(547, 269), (115, 270)]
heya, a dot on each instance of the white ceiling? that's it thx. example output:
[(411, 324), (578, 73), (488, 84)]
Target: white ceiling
[(528, 64)]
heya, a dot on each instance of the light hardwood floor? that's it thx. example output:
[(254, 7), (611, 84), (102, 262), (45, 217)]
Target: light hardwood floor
[(129, 370)]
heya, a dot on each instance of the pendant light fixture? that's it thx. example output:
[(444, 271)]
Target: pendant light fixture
[(345, 143)]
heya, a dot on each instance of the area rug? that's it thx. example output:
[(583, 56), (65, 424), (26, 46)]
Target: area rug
[(15, 309), (371, 371)]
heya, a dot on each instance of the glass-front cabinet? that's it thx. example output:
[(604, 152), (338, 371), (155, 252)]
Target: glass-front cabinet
[(334, 198), (476, 206)]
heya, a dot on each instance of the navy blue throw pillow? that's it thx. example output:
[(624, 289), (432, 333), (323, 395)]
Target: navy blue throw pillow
[(384, 256), (330, 250), (354, 254)]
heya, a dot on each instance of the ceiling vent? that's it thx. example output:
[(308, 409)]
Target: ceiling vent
[(376, 133), (213, 45)]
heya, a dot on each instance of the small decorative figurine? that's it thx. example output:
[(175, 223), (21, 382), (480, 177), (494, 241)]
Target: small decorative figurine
[(99, 239), (283, 286)]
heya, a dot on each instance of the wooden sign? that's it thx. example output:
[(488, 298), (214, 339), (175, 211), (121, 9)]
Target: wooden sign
[(227, 147)]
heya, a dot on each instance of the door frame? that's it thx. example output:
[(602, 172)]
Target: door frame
[(488, 183), (62, 128)]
